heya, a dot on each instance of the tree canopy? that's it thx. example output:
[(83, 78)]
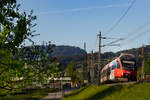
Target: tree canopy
[(15, 26), (18, 70)]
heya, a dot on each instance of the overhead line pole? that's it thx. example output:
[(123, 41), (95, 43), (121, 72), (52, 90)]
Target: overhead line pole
[(99, 59), (99, 53), (85, 63), (92, 67), (142, 75)]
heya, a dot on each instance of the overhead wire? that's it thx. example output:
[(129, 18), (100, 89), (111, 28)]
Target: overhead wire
[(111, 43), (139, 35), (121, 18), (135, 34), (117, 23), (138, 29)]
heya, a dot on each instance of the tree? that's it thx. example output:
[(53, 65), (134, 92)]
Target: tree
[(15, 26), (20, 66), (9, 70), (146, 68), (39, 59), (70, 69), (16, 70), (74, 74)]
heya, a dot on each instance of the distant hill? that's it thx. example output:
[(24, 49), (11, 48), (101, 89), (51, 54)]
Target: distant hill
[(64, 54), (67, 51)]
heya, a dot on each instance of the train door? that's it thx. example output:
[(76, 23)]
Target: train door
[(113, 66), (112, 76)]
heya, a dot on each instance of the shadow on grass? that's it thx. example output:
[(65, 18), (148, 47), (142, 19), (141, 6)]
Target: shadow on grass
[(77, 92), (106, 92), (28, 94)]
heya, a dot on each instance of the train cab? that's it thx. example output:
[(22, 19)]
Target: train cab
[(120, 69)]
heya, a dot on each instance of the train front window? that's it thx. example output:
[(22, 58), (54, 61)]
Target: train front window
[(115, 65), (118, 65), (128, 65)]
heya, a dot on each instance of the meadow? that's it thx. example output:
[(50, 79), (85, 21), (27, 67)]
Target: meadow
[(116, 92)]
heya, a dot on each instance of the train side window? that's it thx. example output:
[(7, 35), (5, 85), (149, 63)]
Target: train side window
[(108, 69), (118, 65), (114, 65)]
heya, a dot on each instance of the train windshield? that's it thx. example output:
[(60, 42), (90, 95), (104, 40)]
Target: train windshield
[(128, 63)]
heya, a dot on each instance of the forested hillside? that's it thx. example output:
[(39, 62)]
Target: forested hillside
[(67, 51)]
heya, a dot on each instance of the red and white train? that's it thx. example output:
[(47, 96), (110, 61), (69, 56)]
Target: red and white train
[(123, 68)]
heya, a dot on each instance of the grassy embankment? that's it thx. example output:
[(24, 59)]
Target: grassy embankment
[(116, 92), (31, 94)]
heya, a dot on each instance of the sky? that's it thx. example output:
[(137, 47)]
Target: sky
[(73, 22)]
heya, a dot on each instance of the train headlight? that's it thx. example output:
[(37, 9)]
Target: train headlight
[(126, 75)]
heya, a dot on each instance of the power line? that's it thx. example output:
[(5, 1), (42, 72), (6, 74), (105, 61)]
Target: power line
[(136, 33), (118, 39), (136, 37), (137, 30), (140, 34), (111, 43), (120, 19)]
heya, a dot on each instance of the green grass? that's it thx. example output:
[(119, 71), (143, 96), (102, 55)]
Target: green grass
[(116, 92), (31, 94)]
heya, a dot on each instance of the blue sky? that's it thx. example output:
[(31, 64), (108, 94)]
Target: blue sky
[(73, 22)]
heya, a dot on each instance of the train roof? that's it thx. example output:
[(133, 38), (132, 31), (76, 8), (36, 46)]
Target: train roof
[(126, 54)]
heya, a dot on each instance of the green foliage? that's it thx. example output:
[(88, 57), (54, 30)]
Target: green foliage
[(115, 92), (76, 77), (17, 70), (9, 70), (40, 62), (139, 73), (147, 66), (15, 26), (70, 69)]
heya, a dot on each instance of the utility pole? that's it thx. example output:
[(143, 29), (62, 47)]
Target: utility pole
[(92, 67), (84, 46), (85, 70), (99, 59), (89, 64), (142, 75), (61, 87), (99, 53)]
